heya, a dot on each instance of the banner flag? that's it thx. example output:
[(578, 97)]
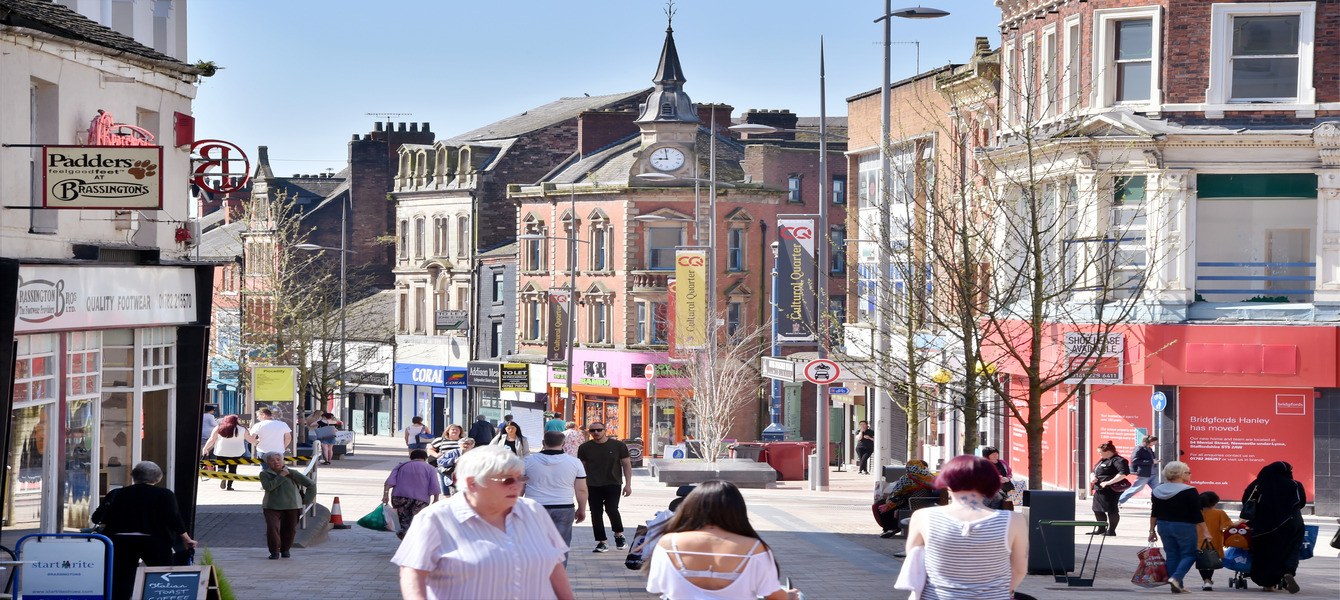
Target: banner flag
[(795, 308), (559, 334), (692, 299)]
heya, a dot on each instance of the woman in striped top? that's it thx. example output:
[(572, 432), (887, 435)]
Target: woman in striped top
[(971, 552)]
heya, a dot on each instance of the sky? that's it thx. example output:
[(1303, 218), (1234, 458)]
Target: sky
[(301, 76)]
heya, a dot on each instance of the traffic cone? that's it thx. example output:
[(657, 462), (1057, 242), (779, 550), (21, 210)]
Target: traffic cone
[(337, 516)]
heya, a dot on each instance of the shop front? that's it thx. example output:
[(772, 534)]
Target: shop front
[(1225, 399), (109, 370), (434, 392), (611, 387)]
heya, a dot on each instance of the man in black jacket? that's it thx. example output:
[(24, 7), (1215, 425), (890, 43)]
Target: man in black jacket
[(481, 431), (1144, 463)]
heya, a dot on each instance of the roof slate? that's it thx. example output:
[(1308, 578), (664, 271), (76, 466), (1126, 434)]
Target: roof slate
[(543, 116), (48, 17), (223, 242)]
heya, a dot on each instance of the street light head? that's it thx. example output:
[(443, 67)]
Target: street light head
[(753, 128), (657, 176), (308, 247), (919, 12), (532, 236)]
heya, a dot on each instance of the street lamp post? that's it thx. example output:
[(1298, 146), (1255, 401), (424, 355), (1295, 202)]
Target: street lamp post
[(344, 288), (883, 404), (819, 477)]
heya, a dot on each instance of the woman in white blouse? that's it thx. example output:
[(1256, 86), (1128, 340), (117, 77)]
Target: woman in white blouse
[(487, 542), (709, 551)]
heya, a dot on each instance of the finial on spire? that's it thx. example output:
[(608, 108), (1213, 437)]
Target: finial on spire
[(670, 15)]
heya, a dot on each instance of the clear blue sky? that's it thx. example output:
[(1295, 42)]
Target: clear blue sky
[(299, 75)]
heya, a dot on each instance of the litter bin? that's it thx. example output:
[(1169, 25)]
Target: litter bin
[(749, 451), (1050, 506), (774, 433), (789, 459)]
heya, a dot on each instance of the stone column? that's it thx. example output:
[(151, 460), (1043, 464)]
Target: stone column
[(1168, 217), (1326, 137)]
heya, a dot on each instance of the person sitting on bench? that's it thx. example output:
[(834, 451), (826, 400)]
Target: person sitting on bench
[(919, 482)]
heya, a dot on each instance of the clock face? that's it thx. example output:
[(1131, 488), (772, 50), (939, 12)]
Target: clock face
[(667, 159)]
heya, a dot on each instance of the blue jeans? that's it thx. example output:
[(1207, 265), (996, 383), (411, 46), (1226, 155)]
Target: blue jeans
[(1180, 543), (1140, 483), (563, 518)]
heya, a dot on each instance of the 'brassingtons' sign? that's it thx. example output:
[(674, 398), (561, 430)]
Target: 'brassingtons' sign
[(104, 177)]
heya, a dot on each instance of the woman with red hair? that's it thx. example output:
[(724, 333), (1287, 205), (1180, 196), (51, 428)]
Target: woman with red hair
[(226, 442), (971, 551)]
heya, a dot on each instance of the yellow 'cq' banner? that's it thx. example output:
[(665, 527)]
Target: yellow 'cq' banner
[(274, 384), (692, 299)]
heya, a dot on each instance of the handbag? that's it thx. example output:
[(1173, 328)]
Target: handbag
[(326, 432), (1120, 486), (1151, 567), (1310, 535), (1249, 506), (912, 577), (1208, 558), (1238, 559), (425, 438)]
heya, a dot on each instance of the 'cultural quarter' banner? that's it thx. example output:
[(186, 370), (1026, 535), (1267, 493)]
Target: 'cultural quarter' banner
[(692, 299), (795, 308), (559, 334)]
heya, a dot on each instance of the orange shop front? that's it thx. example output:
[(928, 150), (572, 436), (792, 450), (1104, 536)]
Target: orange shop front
[(611, 387)]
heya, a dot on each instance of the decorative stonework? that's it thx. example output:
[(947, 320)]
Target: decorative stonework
[(1326, 137)]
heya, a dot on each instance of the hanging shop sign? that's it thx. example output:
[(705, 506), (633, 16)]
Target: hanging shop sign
[(452, 320), (214, 167), (795, 305), (692, 299), (515, 377), (61, 297), (1095, 359), (102, 177), (780, 369)]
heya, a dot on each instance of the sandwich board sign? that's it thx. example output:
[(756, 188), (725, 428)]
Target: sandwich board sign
[(65, 566), (194, 582)]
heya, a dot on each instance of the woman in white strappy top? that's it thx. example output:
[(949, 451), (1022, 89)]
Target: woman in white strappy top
[(709, 551), (971, 551)]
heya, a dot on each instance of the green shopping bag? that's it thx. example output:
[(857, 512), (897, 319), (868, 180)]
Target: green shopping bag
[(375, 520)]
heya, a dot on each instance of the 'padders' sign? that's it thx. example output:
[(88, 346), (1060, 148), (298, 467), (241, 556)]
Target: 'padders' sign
[(102, 177)]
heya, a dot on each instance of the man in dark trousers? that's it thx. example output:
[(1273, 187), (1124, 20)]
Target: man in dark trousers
[(608, 466), (865, 446), (1143, 463), (481, 431)]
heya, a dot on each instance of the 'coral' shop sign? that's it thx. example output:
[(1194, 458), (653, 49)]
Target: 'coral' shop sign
[(102, 177)]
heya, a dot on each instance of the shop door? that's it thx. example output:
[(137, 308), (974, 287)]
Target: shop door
[(438, 423), (604, 410)]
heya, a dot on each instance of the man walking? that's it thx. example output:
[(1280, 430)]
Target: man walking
[(269, 435), (555, 478), (481, 431), (608, 465), (1143, 462)]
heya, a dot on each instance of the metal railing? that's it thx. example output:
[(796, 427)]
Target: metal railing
[(1268, 276), (310, 472)]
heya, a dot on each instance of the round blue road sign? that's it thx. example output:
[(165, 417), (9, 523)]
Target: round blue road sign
[(1158, 401)]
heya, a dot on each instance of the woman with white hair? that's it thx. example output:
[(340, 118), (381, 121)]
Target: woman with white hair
[(487, 542), (143, 522), (1176, 516)]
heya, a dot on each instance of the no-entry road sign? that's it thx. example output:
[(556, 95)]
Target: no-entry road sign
[(822, 371)]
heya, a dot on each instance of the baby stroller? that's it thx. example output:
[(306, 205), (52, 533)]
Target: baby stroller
[(1236, 557)]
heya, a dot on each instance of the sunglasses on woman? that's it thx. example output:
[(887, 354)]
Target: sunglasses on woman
[(509, 481)]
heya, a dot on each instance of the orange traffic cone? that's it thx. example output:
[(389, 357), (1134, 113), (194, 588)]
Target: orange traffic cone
[(337, 516)]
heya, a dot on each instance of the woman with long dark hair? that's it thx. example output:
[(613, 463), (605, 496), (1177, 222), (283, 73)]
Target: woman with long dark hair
[(709, 551), (1110, 469), (512, 438), (227, 441), (1277, 526)]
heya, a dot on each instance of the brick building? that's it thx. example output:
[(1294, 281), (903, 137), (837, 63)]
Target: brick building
[(450, 202), (629, 227), (1197, 143)]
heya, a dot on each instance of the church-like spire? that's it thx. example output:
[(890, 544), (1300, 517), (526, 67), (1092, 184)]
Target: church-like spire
[(668, 102)]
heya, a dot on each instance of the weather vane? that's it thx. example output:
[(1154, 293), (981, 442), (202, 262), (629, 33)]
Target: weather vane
[(670, 13)]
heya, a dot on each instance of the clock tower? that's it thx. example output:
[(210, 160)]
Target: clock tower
[(669, 123)]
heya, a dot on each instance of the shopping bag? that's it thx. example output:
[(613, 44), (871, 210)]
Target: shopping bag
[(1208, 558), (1310, 535), (391, 517), (1152, 568), (1238, 559), (1016, 495), (375, 520)]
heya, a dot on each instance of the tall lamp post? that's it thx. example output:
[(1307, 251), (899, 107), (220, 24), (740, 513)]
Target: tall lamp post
[(344, 288), (572, 240), (819, 476), (883, 404)]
